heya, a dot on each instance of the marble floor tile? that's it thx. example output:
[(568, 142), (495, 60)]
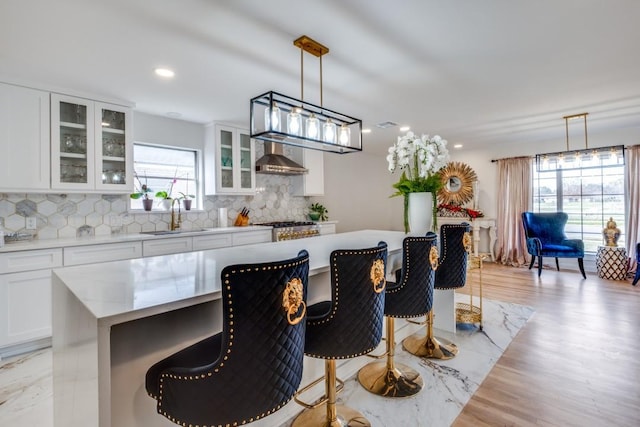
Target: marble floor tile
[(26, 383)]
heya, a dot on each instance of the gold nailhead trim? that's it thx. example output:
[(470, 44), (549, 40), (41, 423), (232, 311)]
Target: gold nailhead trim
[(217, 369)]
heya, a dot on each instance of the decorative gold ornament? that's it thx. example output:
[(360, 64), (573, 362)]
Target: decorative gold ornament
[(292, 300), (467, 242), (457, 184), (611, 233), (377, 276), (433, 257)]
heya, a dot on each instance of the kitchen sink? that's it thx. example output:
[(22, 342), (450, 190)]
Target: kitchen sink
[(163, 232)]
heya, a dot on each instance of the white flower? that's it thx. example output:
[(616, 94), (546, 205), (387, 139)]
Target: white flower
[(418, 156)]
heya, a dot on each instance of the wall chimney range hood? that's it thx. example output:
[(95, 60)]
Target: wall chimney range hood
[(274, 162)]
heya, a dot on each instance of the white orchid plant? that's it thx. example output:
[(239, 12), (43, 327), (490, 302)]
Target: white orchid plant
[(420, 159)]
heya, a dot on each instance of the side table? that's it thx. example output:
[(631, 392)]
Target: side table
[(469, 313), (611, 262)]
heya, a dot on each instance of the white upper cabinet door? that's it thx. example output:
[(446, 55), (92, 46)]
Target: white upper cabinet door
[(72, 143), (311, 183), (24, 139), (114, 148), (229, 161)]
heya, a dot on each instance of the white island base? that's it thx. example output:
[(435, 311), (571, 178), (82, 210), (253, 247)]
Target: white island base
[(112, 321)]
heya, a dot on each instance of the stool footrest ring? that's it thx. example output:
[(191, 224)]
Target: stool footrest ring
[(321, 400)]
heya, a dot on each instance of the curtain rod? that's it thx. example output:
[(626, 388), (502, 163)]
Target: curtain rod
[(511, 158)]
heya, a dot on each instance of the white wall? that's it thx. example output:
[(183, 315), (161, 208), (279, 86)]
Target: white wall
[(357, 189), (167, 131)]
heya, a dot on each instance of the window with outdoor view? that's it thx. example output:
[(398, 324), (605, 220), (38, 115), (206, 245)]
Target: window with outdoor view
[(165, 173), (589, 189)]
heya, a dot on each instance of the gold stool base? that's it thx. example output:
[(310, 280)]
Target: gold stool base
[(347, 417), (402, 381), (430, 347)]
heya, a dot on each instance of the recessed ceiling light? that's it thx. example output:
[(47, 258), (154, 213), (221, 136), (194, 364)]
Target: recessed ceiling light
[(366, 130), (405, 128), (457, 146), (164, 72)]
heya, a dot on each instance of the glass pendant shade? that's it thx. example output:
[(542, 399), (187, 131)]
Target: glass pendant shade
[(313, 127), (344, 137), (294, 122), (329, 132), (272, 118)]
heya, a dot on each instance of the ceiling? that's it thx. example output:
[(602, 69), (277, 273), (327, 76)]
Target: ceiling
[(476, 72)]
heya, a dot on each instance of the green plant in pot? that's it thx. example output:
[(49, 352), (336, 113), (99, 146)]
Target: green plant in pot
[(142, 192), (318, 212)]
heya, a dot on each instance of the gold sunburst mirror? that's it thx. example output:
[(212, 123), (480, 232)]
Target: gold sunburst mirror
[(457, 184)]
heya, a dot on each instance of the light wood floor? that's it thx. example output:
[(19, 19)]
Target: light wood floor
[(575, 363)]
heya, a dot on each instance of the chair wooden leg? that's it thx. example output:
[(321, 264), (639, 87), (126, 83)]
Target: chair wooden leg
[(637, 276), (557, 264), (539, 265), (533, 260), (581, 266)]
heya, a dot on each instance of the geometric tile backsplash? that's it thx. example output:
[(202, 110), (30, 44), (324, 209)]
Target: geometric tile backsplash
[(75, 214)]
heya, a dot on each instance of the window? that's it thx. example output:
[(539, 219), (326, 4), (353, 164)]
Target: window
[(170, 169), (590, 191)]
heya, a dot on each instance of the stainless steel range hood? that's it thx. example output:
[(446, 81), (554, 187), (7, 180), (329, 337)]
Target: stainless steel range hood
[(274, 162)]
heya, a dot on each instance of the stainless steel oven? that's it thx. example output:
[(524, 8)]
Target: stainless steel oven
[(290, 230)]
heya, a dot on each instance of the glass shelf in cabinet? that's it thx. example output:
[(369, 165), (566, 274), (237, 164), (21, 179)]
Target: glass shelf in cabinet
[(73, 125)]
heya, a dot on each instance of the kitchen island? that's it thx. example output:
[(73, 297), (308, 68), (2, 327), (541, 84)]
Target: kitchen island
[(111, 321)]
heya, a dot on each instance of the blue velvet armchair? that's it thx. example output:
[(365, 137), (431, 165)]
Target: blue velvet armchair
[(545, 237)]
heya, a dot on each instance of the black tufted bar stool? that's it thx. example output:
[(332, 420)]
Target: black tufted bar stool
[(410, 296), (254, 366), (348, 326), (455, 244)]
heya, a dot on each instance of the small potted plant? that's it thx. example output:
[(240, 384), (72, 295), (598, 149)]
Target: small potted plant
[(142, 192), (318, 212), (186, 200)]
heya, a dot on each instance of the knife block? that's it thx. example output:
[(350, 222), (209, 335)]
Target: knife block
[(241, 220)]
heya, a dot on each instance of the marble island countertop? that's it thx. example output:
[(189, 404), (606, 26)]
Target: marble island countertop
[(115, 238), (120, 291)]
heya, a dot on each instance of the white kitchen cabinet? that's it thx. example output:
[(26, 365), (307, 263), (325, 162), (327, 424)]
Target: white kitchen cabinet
[(251, 237), (172, 245), (229, 161), (311, 183), (77, 255), (327, 228), (91, 146), (24, 139), (25, 297), (212, 241)]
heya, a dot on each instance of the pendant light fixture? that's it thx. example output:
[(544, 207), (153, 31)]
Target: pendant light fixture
[(577, 159), (306, 125)]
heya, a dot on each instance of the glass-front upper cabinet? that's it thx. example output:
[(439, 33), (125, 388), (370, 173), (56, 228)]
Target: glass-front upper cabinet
[(114, 150), (90, 145), (72, 143), (234, 161)]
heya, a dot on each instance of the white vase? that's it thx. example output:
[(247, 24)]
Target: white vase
[(420, 212)]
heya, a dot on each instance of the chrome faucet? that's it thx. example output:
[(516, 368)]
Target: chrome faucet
[(176, 220)]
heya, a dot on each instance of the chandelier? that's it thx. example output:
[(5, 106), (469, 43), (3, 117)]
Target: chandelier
[(582, 158), (279, 118)]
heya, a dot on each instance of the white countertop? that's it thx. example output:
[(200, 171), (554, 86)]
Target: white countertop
[(120, 291), (116, 238)]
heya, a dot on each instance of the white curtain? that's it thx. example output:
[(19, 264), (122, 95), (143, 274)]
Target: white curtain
[(514, 197), (632, 172)]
